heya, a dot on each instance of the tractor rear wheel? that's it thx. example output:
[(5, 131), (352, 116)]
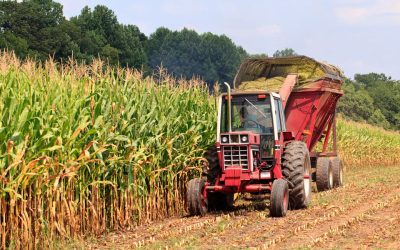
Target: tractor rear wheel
[(196, 197), (337, 170), (296, 168), (279, 198), (324, 174)]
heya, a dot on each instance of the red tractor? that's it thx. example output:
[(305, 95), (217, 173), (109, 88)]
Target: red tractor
[(266, 137)]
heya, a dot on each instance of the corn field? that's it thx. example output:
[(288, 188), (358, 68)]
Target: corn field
[(86, 149), (364, 145)]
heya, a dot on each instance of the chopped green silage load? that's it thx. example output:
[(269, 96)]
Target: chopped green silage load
[(270, 73), (272, 84)]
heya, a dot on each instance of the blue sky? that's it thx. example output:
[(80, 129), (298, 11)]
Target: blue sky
[(359, 36)]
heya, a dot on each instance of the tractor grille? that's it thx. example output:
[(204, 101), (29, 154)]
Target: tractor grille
[(235, 156)]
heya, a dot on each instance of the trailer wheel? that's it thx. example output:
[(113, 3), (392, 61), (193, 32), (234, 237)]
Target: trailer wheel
[(279, 198), (212, 169), (196, 197), (337, 170), (296, 168), (324, 174)]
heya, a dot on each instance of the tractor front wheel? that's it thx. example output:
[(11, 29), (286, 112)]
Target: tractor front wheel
[(196, 197), (211, 166), (279, 198)]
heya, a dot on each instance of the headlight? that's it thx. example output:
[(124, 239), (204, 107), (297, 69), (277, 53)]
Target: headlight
[(225, 139), (245, 138)]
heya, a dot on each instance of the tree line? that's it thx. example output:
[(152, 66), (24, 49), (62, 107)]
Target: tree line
[(372, 98), (38, 29)]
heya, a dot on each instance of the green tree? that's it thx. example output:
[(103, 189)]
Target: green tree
[(262, 55), (110, 54), (285, 52), (70, 47), (221, 56), (375, 104), (371, 78), (379, 119), (155, 48), (32, 28), (186, 53), (131, 47), (14, 43), (385, 93), (102, 35), (355, 104)]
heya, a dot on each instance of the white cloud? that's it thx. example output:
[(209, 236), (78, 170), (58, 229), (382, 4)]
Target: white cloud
[(387, 11)]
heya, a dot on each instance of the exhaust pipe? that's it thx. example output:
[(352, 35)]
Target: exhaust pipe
[(229, 107)]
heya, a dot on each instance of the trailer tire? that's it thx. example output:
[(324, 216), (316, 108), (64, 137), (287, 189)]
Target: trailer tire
[(296, 168), (337, 170), (197, 203), (211, 168), (279, 198), (324, 174)]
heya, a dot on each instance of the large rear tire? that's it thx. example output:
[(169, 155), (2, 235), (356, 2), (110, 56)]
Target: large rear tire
[(197, 203), (337, 170), (296, 168), (324, 174), (279, 198)]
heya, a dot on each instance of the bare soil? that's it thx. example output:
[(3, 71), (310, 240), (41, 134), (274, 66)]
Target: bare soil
[(363, 214)]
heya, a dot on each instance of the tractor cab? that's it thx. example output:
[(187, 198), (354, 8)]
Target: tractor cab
[(252, 120)]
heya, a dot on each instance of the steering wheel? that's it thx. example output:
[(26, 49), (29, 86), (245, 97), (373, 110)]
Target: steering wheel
[(251, 121)]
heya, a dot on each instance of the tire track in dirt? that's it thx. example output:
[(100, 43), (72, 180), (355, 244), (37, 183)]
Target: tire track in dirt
[(341, 223), (178, 238), (315, 216), (374, 231), (159, 231), (384, 216), (249, 223), (298, 234), (266, 229), (377, 186), (247, 226), (273, 231), (145, 234)]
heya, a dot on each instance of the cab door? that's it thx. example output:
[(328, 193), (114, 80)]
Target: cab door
[(280, 122)]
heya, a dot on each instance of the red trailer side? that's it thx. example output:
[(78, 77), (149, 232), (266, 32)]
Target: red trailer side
[(310, 114)]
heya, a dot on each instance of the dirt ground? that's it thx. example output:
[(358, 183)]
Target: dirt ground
[(363, 214)]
